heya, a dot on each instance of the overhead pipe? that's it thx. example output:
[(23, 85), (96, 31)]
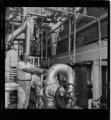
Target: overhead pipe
[(16, 33)]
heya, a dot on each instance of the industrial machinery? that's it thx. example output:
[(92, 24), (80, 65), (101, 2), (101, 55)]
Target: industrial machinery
[(71, 43)]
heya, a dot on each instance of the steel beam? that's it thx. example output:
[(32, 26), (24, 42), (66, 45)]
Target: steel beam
[(88, 52)]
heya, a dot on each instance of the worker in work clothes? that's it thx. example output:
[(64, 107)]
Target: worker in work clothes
[(55, 35), (24, 71)]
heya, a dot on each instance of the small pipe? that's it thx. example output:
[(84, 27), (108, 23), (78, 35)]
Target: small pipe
[(69, 37), (100, 69), (46, 46), (74, 44)]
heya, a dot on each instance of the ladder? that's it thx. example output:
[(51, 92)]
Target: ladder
[(13, 70), (13, 73)]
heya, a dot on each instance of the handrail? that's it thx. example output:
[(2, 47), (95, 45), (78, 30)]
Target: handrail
[(82, 28), (73, 13)]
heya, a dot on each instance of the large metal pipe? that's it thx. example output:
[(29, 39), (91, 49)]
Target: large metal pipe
[(52, 79), (27, 39), (16, 33), (26, 26), (56, 69)]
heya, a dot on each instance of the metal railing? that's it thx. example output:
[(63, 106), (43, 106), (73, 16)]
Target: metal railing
[(78, 30), (39, 61)]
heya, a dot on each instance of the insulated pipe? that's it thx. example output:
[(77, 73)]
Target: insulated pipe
[(52, 81), (27, 39), (28, 35), (16, 33), (54, 70)]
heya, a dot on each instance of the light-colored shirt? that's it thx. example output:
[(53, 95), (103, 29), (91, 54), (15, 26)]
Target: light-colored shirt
[(54, 26), (21, 75)]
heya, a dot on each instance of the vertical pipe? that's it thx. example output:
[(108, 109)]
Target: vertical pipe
[(38, 61), (100, 65), (42, 41), (27, 40), (69, 48), (18, 50), (74, 44), (46, 45), (96, 81)]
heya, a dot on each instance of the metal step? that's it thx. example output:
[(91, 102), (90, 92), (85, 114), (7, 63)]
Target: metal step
[(13, 73)]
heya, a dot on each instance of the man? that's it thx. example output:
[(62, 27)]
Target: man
[(54, 35), (24, 71)]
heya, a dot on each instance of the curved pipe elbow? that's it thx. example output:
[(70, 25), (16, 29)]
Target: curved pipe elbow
[(56, 69), (17, 32)]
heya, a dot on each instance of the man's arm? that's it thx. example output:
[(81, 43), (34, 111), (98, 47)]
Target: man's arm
[(38, 71), (21, 66), (32, 69)]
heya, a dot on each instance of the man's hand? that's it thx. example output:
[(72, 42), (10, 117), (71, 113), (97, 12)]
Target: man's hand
[(44, 71), (38, 71)]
